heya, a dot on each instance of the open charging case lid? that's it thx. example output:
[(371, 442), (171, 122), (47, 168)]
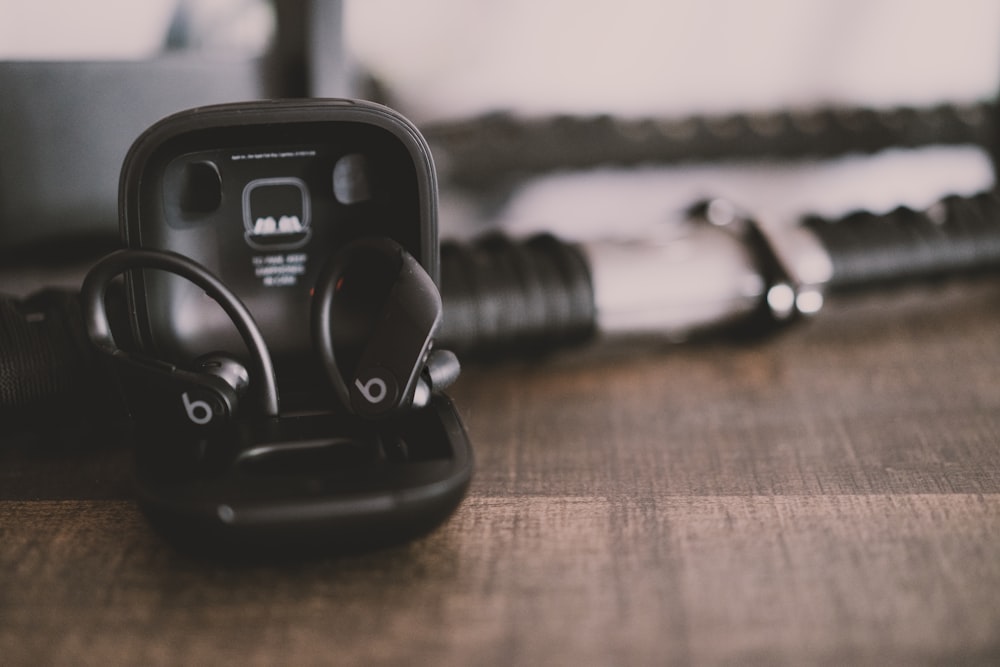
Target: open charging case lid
[(262, 194)]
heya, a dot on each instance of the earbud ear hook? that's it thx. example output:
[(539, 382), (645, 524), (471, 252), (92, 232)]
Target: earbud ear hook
[(94, 291)]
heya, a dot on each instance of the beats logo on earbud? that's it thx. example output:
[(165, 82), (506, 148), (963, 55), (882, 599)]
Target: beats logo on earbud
[(202, 407), (374, 390), (208, 395), (199, 411), (375, 313)]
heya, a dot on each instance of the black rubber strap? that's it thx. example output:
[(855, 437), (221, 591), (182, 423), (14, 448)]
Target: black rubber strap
[(956, 235), (49, 373), (502, 296), (491, 150)]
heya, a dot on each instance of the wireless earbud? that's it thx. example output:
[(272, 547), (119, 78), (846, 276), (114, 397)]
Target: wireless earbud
[(375, 313), (210, 393)]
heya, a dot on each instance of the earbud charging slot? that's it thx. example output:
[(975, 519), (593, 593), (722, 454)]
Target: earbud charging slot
[(306, 456)]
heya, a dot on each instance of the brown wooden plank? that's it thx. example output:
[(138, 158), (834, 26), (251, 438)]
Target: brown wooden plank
[(536, 580)]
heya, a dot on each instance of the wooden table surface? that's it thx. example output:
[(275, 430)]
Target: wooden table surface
[(828, 496)]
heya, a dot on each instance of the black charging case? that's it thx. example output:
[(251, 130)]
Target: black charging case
[(262, 194)]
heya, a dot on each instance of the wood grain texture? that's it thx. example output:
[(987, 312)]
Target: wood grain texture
[(906, 579), (829, 496)]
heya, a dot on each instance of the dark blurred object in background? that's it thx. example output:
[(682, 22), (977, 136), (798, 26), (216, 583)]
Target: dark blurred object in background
[(66, 124)]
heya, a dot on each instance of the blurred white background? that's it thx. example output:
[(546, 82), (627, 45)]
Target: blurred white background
[(450, 58), (446, 59)]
